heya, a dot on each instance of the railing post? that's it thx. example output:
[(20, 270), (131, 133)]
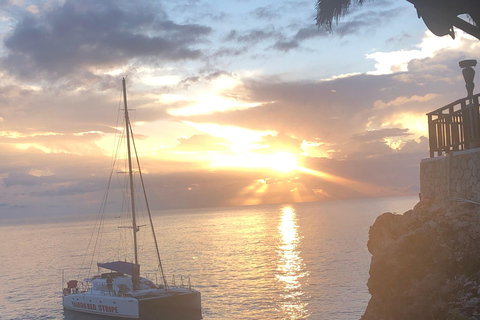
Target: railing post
[(440, 138), (475, 143), (448, 131), (466, 124), (455, 128), (431, 134)]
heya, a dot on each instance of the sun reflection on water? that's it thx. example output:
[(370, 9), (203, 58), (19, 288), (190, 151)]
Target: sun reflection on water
[(291, 268)]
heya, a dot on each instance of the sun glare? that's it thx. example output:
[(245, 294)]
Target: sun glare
[(282, 161)]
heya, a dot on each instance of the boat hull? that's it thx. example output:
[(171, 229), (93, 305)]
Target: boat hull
[(177, 303), (186, 303), (119, 307)]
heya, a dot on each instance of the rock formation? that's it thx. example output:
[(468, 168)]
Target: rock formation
[(425, 263)]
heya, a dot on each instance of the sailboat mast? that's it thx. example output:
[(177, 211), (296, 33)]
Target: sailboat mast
[(130, 172)]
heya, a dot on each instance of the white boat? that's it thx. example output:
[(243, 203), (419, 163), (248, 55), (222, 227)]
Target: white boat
[(122, 292)]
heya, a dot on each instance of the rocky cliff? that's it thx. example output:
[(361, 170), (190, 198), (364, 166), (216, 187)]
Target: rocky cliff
[(425, 263)]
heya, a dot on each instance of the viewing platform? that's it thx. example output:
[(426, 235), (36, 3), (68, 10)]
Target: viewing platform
[(454, 127), (451, 172)]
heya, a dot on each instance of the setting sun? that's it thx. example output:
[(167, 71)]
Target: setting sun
[(284, 161)]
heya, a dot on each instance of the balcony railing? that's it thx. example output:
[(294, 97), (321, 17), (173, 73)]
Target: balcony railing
[(455, 126)]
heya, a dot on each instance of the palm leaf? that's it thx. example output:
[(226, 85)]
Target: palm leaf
[(331, 10)]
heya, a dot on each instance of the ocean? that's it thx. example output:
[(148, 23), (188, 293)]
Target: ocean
[(291, 261)]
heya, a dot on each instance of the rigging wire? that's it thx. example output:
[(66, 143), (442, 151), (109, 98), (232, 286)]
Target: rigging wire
[(100, 220), (149, 215)]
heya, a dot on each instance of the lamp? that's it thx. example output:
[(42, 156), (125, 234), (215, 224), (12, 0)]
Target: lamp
[(468, 74)]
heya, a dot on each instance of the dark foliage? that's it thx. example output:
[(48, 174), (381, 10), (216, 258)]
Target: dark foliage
[(440, 16)]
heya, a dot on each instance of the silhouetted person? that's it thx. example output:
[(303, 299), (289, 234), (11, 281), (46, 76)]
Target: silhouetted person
[(109, 284)]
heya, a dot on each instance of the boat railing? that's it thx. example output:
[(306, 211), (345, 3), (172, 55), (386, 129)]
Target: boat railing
[(74, 286), (176, 281), (181, 281)]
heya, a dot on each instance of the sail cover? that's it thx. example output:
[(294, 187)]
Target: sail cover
[(119, 266)]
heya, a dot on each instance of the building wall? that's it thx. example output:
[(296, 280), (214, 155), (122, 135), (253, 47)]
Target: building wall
[(454, 175)]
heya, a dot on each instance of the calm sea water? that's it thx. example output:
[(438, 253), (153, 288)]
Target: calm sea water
[(298, 261)]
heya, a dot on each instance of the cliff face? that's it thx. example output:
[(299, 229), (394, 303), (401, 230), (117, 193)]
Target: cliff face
[(425, 263)]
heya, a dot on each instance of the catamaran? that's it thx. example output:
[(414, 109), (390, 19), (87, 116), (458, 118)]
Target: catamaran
[(122, 292)]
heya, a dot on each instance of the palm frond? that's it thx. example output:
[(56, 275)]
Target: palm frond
[(331, 10)]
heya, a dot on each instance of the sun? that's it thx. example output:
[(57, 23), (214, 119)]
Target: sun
[(284, 162)]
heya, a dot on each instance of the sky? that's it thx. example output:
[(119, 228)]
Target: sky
[(232, 102)]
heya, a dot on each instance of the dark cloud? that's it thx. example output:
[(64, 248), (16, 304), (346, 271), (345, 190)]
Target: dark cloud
[(253, 36), (82, 187), (285, 46), (301, 35), (226, 52), (366, 21), (218, 74), (399, 38), (308, 33), (421, 147), (352, 27), (188, 81), (193, 80), (396, 173), (381, 134), (282, 42), (22, 179), (271, 34), (363, 22), (267, 13), (87, 34)]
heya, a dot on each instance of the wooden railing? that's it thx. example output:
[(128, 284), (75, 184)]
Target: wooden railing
[(455, 126)]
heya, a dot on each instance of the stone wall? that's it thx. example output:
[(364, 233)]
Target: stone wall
[(454, 175)]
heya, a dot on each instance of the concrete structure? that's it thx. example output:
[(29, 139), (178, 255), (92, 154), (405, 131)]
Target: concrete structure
[(454, 175)]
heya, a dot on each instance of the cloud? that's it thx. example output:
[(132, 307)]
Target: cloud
[(403, 101), (252, 36), (267, 13), (226, 52), (302, 34), (368, 18), (4, 3), (90, 34), (381, 134), (381, 112), (307, 110), (22, 179), (30, 112), (280, 143), (285, 46), (194, 80), (430, 47), (201, 142), (282, 42)]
